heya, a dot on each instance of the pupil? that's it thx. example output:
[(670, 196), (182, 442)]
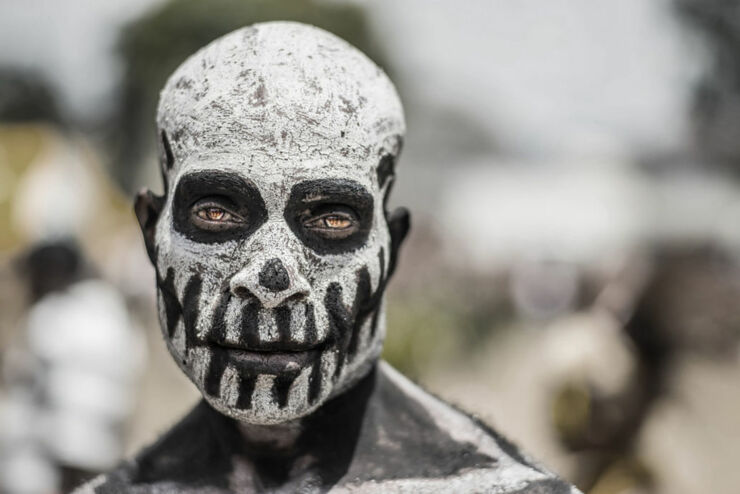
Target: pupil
[(215, 214), (334, 222)]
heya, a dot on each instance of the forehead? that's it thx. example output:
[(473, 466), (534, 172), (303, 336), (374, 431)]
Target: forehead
[(269, 171), (281, 100)]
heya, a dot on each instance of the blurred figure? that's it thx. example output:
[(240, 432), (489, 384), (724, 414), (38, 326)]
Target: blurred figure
[(70, 353), (71, 381), (620, 358)]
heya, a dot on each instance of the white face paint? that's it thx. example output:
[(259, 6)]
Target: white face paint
[(273, 248)]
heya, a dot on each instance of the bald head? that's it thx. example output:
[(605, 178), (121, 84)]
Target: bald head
[(281, 89), (273, 246)]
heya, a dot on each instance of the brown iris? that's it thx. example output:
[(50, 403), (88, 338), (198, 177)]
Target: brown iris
[(214, 217), (336, 222), (333, 225), (213, 214)]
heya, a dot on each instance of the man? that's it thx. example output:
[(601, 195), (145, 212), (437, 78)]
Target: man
[(273, 247)]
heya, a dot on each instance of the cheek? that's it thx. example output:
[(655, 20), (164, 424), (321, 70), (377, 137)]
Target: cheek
[(174, 250)]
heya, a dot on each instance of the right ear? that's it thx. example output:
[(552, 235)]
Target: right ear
[(148, 207)]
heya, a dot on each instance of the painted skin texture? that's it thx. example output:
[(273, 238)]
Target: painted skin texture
[(273, 247)]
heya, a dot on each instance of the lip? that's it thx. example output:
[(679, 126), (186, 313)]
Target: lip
[(275, 359)]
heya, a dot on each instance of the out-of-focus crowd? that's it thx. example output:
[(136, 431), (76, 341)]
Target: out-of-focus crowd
[(577, 289)]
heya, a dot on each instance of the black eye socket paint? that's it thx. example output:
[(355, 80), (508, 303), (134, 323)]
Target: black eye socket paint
[(236, 193), (312, 197)]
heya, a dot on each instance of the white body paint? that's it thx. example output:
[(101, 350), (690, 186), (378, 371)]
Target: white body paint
[(278, 103), (507, 476)]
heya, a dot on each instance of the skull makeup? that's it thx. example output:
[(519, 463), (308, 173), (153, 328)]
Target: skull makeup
[(272, 244)]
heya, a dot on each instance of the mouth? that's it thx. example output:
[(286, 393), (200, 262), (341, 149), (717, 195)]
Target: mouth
[(276, 358)]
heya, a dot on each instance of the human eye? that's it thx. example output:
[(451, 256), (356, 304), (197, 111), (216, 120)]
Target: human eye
[(334, 223), (210, 214)]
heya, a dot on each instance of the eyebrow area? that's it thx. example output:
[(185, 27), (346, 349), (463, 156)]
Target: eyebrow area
[(234, 190), (340, 190), (309, 197)]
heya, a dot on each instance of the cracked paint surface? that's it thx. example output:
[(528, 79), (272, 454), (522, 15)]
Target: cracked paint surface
[(282, 107), (280, 322)]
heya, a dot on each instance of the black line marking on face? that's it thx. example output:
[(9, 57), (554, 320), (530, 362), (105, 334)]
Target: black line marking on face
[(216, 368), (345, 323), (228, 191), (386, 169), (310, 332), (367, 303), (191, 309), (339, 321), (169, 157), (172, 307), (247, 384), (281, 386), (309, 198), (218, 323), (381, 286), (314, 382), (273, 276), (364, 293), (282, 320), (374, 324), (249, 335), (167, 161)]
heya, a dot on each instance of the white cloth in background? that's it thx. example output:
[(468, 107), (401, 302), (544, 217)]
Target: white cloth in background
[(89, 355)]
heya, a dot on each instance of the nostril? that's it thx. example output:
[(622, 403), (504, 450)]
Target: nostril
[(296, 297), (274, 277), (242, 292)]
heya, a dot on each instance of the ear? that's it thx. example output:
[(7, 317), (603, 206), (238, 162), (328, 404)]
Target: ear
[(399, 223), (148, 206)]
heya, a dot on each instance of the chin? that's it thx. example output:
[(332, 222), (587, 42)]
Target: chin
[(270, 402)]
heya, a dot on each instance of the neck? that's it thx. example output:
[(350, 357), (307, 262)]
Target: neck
[(276, 438), (336, 424)]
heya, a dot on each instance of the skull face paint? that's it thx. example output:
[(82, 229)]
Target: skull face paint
[(272, 246)]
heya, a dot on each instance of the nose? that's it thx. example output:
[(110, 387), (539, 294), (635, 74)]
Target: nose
[(273, 276), (272, 282)]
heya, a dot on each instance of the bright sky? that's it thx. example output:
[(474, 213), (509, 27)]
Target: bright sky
[(545, 76)]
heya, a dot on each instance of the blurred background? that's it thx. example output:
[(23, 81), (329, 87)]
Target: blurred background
[(572, 276)]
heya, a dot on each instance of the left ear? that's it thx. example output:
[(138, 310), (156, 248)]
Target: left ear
[(148, 207), (399, 223)]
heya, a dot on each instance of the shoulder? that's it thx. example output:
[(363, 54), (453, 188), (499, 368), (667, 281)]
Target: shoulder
[(186, 457), (419, 443)]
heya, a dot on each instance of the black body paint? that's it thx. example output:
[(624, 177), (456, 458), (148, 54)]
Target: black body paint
[(231, 189), (191, 309), (281, 386), (216, 368), (167, 161), (310, 324), (218, 323), (223, 353), (386, 169), (247, 382), (169, 158), (249, 334), (274, 276), (282, 320), (372, 432), (346, 324), (314, 382), (308, 197), (172, 307)]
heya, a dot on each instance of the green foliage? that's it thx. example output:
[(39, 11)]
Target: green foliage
[(419, 333), (427, 331)]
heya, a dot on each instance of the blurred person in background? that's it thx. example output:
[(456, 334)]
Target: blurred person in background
[(70, 391), (565, 81), (618, 361), (71, 353)]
